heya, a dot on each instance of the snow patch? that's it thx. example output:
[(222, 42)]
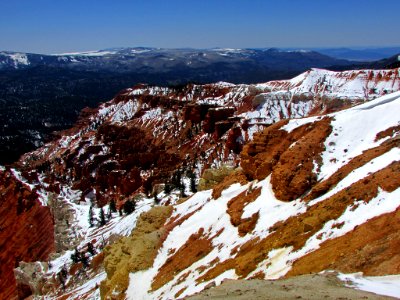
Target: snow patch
[(382, 285)]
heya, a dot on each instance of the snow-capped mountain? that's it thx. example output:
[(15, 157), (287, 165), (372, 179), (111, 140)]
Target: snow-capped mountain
[(135, 59), (287, 179)]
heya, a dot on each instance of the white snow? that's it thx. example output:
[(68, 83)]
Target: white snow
[(355, 85), (295, 123), (18, 176), (382, 285), (88, 53), (280, 260), (125, 111), (276, 265), (355, 215), (90, 289), (19, 59), (211, 215), (372, 166), (271, 210), (355, 129)]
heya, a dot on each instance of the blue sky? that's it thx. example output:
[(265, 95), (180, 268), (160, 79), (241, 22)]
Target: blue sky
[(54, 26)]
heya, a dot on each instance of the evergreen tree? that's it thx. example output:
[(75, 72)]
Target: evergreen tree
[(193, 184), (192, 177), (76, 256), (102, 217), (167, 188), (176, 178), (91, 218), (62, 280), (84, 260), (182, 189), (156, 200), (109, 213), (64, 272), (129, 207), (113, 207), (91, 249)]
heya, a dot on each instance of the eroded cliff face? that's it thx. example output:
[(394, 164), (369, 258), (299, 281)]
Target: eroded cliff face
[(26, 232), (288, 157)]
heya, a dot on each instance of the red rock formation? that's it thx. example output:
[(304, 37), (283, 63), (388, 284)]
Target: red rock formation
[(215, 115), (26, 231), (195, 113), (287, 156)]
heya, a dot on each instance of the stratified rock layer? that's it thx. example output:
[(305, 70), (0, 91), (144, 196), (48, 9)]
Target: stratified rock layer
[(26, 232)]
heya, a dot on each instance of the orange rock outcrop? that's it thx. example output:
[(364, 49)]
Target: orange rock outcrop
[(26, 232)]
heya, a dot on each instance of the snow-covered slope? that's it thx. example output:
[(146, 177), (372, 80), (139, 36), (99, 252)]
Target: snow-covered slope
[(318, 90), (361, 84), (272, 246), (303, 181)]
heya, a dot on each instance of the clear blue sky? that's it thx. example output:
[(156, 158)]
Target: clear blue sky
[(54, 26)]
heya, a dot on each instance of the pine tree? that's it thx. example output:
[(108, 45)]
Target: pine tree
[(84, 260), (91, 249), (91, 218), (182, 189), (62, 280), (64, 272), (102, 217), (76, 256), (156, 200), (192, 177), (167, 188), (193, 184), (176, 178), (129, 207), (109, 213), (113, 207)]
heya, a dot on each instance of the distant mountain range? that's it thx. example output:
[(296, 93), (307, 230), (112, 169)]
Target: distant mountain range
[(359, 54), (176, 66), (141, 59)]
